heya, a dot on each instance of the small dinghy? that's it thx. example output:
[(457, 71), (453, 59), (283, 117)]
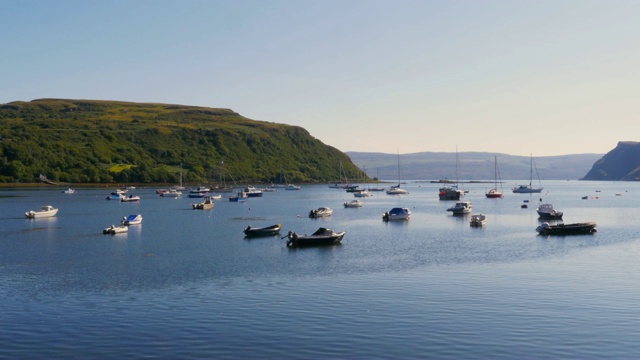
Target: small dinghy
[(115, 229), (262, 231)]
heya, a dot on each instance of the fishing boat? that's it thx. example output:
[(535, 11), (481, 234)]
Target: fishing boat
[(461, 208), (134, 219), (567, 229), (478, 220), (321, 212), (353, 204), (397, 213), (115, 229), (494, 193), (44, 212), (205, 205), (322, 236), (529, 189), (240, 196), (262, 231), (546, 211)]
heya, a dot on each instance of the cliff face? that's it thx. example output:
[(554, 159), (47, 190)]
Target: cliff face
[(619, 164)]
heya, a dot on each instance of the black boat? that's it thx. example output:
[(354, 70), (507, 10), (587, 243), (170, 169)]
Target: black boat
[(263, 231), (322, 236), (567, 229)]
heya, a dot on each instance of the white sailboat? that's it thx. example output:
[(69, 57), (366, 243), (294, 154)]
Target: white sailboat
[(180, 187), (529, 189), (396, 189)]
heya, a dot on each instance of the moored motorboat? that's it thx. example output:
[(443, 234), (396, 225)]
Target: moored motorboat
[(239, 197), (320, 212), (205, 205), (45, 211), (130, 198), (478, 220), (450, 193), (171, 193), (115, 229), (69, 191), (353, 204), (322, 236), (461, 208), (546, 211), (262, 231), (292, 187), (253, 192), (133, 219), (567, 229), (397, 213)]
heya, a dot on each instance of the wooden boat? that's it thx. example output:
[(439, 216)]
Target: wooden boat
[(461, 208), (322, 236), (45, 211), (397, 214), (546, 211), (207, 204), (115, 229), (263, 231), (321, 212), (134, 219), (567, 229), (478, 220)]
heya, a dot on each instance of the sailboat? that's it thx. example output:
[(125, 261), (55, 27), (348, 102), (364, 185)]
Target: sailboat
[(223, 188), (377, 187), (528, 189), (451, 192), (180, 187), (494, 193), (339, 184), (396, 189)]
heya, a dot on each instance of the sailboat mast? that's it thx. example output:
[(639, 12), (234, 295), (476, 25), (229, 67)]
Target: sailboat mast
[(530, 170)]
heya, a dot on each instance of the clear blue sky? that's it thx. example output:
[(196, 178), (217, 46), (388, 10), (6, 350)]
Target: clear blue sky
[(547, 77)]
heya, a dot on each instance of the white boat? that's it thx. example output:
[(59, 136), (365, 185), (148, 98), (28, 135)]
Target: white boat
[(529, 189), (171, 193), (180, 187), (478, 220), (397, 214), (115, 229), (205, 205), (494, 193), (115, 196), (362, 193), (353, 204), (45, 211), (69, 191), (321, 212), (252, 191), (461, 208), (292, 187), (130, 198), (397, 190), (546, 211), (134, 219), (452, 192)]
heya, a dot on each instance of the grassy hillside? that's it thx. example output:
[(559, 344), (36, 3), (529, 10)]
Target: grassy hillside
[(79, 141)]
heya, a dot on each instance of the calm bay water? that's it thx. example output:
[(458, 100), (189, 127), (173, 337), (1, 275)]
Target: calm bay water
[(187, 284)]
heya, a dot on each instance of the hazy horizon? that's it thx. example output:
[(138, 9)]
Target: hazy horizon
[(516, 77)]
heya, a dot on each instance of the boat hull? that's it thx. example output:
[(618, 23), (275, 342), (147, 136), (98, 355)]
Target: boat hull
[(567, 229), (314, 240), (264, 231)]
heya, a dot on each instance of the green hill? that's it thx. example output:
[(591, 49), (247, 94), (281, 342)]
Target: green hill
[(620, 164), (87, 141)]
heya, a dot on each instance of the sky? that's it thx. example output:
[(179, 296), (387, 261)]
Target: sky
[(544, 77)]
